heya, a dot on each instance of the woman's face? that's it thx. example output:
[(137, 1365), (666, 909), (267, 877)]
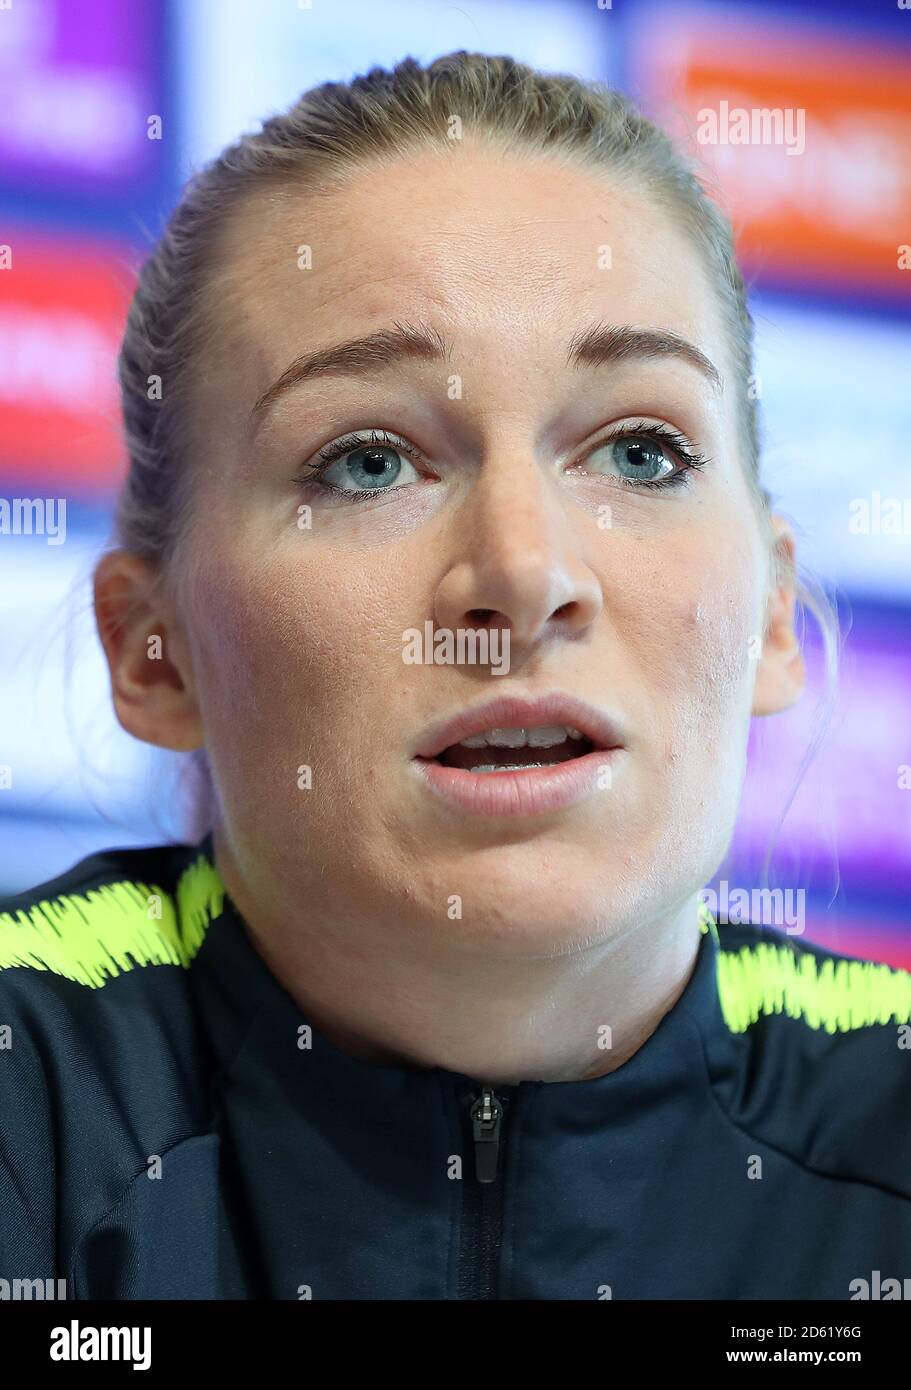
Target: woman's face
[(517, 510)]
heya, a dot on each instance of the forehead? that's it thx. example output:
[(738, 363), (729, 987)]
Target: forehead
[(491, 246)]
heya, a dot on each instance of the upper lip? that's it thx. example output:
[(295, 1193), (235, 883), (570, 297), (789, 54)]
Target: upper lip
[(517, 712)]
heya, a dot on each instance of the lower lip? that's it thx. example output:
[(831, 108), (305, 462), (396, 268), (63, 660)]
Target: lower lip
[(523, 792)]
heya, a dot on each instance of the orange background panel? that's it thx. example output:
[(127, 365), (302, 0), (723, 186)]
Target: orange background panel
[(839, 210)]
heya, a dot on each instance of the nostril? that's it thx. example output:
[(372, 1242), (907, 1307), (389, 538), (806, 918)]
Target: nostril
[(481, 615)]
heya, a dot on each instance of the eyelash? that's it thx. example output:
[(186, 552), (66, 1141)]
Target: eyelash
[(339, 447), (687, 455)]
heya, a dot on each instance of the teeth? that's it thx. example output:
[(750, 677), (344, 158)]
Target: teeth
[(506, 738), (544, 736), (500, 767), (547, 736)]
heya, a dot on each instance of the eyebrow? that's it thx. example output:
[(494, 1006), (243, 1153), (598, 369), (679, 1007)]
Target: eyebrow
[(594, 347)]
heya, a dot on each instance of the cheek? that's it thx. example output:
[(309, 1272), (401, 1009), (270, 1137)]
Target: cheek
[(693, 640), (717, 626), (692, 677), (710, 721), (287, 644)]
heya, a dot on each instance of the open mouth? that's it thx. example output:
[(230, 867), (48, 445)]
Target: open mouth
[(516, 750), (515, 756)]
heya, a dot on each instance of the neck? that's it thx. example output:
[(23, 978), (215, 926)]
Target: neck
[(404, 999)]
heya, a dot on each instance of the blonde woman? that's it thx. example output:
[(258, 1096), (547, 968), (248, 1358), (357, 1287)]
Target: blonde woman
[(429, 1008)]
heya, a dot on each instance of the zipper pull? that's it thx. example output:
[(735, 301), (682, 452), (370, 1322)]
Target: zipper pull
[(486, 1119)]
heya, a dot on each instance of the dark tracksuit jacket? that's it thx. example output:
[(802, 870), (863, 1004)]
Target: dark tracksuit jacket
[(166, 1132)]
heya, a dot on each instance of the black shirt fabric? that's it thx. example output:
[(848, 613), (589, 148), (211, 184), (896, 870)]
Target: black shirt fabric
[(170, 1127)]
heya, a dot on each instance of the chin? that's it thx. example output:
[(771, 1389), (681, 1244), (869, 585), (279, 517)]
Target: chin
[(507, 929), (528, 897)]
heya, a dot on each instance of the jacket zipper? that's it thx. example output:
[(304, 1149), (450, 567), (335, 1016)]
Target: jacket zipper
[(483, 1191)]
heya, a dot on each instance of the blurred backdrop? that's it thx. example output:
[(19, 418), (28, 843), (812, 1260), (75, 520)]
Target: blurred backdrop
[(108, 105)]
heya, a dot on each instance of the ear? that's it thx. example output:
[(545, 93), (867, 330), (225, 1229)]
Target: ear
[(781, 675), (147, 653)]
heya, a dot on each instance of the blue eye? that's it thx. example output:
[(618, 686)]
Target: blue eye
[(646, 455), (363, 465), (360, 467), (374, 466), (641, 459)]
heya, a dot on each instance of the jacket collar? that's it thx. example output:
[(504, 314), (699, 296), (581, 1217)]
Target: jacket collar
[(248, 1012)]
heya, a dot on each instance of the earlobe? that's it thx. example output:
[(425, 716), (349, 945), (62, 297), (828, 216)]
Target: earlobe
[(147, 654), (781, 673)]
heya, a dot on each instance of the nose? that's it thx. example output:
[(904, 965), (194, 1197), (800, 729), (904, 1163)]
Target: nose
[(518, 560)]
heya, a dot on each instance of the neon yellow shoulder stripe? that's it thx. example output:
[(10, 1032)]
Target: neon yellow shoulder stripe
[(92, 937), (837, 996), (707, 921)]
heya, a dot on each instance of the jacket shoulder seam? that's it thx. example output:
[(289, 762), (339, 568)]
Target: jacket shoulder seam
[(80, 1240), (794, 1158)]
